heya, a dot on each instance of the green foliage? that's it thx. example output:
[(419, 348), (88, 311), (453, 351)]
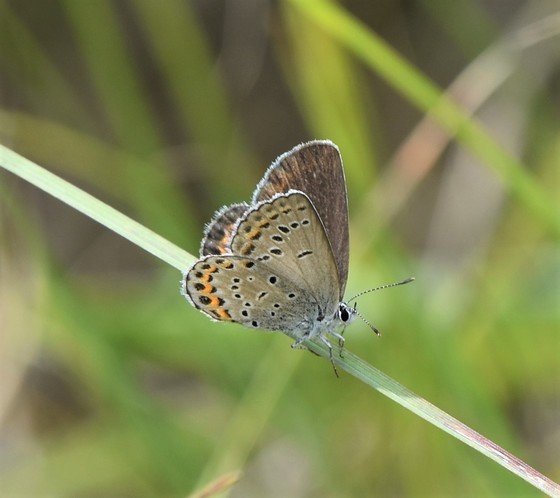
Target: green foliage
[(115, 386)]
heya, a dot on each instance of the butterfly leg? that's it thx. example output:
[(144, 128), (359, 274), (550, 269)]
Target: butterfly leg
[(298, 345), (325, 341), (341, 342)]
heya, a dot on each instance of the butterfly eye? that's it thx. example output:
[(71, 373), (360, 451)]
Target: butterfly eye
[(343, 314)]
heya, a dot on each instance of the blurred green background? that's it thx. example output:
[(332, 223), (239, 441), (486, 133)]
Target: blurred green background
[(112, 385)]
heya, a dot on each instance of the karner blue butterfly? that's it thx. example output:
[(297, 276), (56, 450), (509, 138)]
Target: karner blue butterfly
[(281, 262)]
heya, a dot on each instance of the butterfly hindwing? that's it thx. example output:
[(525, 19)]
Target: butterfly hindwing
[(219, 232), (241, 290)]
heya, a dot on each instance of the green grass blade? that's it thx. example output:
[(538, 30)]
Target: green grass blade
[(334, 77), (380, 57), (95, 209), (124, 102), (424, 409), (195, 84)]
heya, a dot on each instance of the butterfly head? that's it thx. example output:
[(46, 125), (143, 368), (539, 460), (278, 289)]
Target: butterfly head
[(346, 314)]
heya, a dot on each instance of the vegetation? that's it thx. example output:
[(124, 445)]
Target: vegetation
[(447, 118)]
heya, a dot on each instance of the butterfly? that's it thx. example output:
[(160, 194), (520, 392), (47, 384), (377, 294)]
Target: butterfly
[(280, 262)]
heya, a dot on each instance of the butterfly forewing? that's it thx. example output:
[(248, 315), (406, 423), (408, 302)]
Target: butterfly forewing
[(287, 234), (316, 169)]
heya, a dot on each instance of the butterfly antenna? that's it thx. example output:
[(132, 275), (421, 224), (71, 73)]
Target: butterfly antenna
[(386, 286), (365, 320)]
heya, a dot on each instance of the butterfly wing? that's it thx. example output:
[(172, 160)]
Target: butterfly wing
[(315, 168), (241, 290), (219, 232), (281, 275), (287, 234)]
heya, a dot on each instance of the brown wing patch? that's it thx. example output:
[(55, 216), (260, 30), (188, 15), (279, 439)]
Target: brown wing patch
[(219, 232)]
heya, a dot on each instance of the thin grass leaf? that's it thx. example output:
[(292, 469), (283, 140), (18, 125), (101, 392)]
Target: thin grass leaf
[(392, 389), (218, 486), (380, 57), (124, 102), (239, 438), (199, 99), (336, 78), (95, 209), (58, 89)]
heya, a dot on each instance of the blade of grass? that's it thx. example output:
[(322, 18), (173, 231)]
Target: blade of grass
[(218, 486), (259, 399), (424, 409), (195, 88), (131, 120), (377, 55), (95, 209), (352, 364), (472, 88), (16, 32), (336, 78)]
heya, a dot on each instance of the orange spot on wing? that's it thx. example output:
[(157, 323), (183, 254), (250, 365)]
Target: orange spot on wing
[(224, 315), (206, 278), (208, 288), (253, 233), (214, 301)]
